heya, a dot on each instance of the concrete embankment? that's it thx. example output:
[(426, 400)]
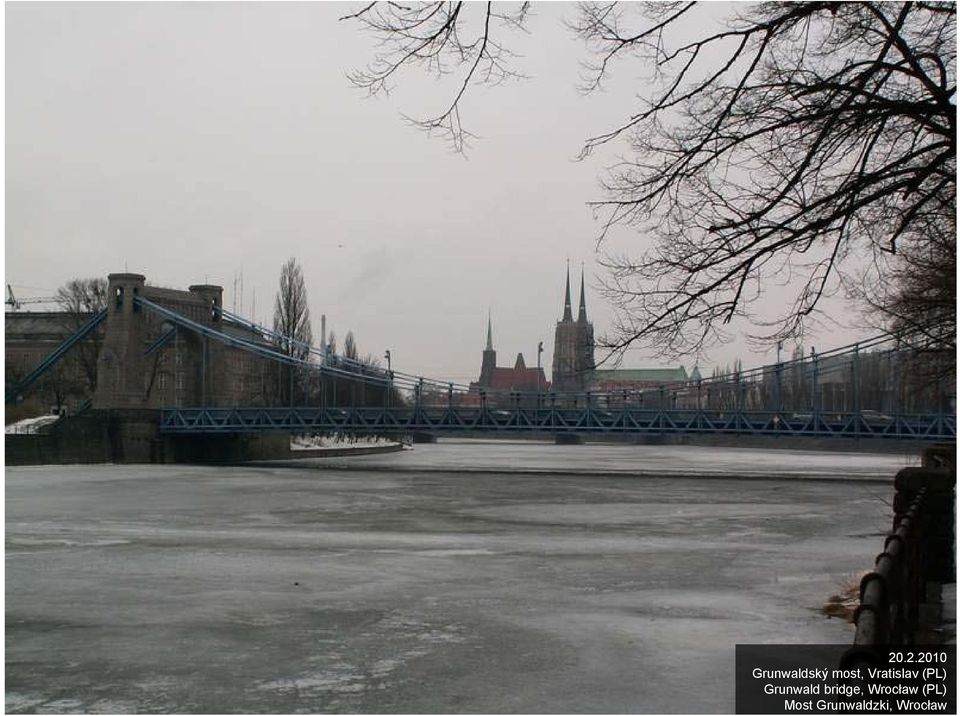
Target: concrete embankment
[(133, 437)]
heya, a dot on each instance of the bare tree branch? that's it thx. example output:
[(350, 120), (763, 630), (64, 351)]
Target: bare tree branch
[(291, 320), (436, 37), (777, 148)]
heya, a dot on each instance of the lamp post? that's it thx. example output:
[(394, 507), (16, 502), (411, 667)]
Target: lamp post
[(389, 378), (779, 370), (539, 351)]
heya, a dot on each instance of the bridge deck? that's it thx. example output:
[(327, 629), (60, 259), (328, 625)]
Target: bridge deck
[(554, 420)]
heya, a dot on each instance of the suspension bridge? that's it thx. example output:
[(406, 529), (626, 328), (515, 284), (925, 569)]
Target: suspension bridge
[(866, 391)]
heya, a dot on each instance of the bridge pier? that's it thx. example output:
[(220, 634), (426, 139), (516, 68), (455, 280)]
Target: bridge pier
[(568, 439), (424, 438), (229, 448)]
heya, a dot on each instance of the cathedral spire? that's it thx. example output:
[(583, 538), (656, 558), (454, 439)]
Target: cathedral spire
[(567, 312), (489, 362), (582, 317)]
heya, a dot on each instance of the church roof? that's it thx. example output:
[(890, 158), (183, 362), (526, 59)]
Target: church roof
[(523, 379), (640, 375)]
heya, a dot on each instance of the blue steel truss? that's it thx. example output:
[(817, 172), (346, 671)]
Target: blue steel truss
[(619, 412), (164, 338), (405, 420)]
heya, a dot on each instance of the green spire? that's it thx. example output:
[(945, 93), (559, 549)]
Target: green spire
[(567, 312), (489, 333)]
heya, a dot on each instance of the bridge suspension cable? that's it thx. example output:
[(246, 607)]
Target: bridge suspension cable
[(323, 361), (14, 391)]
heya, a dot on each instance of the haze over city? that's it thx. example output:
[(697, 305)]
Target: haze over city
[(201, 142), (208, 515)]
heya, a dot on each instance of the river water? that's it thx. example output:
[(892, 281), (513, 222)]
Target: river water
[(480, 577)]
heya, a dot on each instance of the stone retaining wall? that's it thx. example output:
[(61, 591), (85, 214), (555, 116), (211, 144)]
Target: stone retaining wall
[(132, 436)]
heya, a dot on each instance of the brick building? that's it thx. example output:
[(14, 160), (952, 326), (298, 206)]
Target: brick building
[(147, 361), (29, 337), (574, 366), (573, 360), (137, 358), (501, 380)]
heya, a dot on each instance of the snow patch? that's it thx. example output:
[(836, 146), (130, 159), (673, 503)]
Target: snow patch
[(336, 441), (31, 426)]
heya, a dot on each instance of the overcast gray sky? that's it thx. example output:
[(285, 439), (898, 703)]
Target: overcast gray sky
[(191, 142)]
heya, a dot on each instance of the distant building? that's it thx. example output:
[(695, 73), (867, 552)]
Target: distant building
[(136, 358), (499, 380), (886, 381), (573, 346), (29, 337), (574, 368), (608, 381), (148, 362)]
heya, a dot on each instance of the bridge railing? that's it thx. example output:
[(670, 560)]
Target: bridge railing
[(918, 553), (401, 419), (870, 378)]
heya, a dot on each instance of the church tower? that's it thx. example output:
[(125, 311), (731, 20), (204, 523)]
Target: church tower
[(585, 340), (573, 345), (489, 358)]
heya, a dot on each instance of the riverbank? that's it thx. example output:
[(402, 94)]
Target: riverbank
[(132, 437)]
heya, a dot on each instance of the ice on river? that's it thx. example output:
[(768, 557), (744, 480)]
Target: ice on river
[(458, 577)]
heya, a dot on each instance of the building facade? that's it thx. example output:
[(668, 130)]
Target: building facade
[(574, 365), (31, 336), (500, 381), (136, 358), (146, 361), (573, 360)]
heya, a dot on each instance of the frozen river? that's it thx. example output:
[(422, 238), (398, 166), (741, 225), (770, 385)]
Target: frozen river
[(458, 577)]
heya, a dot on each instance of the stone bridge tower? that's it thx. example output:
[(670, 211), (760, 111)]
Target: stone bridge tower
[(126, 375), (120, 364)]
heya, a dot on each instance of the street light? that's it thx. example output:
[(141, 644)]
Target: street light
[(389, 378), (779, 380), (539, 351)]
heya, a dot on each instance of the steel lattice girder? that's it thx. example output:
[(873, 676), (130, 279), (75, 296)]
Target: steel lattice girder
[(398, 420)]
